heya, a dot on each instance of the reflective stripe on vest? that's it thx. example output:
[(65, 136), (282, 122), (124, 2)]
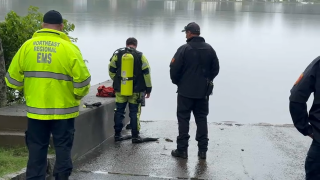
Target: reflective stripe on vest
[(13, 81), (82, 84), (57, 76), (53, 111), (40, 74)]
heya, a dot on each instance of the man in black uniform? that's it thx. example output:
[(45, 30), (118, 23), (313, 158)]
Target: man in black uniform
[(192, 69), (308, 124)]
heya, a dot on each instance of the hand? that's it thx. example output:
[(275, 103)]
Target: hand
[(311, 136), (147, 95)]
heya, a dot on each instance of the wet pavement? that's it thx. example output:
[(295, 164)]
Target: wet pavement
[(236, 152)]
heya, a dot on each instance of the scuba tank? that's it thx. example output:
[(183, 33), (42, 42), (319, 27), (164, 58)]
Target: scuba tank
[(127, 65)]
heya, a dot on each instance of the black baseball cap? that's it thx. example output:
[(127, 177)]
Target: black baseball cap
[(53, 17), (192, 27)]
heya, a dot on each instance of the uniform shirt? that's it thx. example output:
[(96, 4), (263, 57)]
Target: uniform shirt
[(187, 72), (307, 83)]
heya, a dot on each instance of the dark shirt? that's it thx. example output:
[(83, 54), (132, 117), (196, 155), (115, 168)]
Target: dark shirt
[(309, 82), (193, 65)]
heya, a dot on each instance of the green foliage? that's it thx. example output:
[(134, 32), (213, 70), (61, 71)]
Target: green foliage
[(15, 30), (13, 159), (14, 96)]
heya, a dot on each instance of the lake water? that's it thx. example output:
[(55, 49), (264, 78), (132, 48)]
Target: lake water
[(262, 46)]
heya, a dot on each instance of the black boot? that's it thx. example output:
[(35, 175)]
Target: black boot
[(117, 137), (64, 176), (137, 139), (128, 126), (182, 154), (202, 155)]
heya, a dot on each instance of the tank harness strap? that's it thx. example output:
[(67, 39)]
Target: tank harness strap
[(116, 52), (128, 78)]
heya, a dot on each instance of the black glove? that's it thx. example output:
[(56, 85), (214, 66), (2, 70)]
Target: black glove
[(97, 104)]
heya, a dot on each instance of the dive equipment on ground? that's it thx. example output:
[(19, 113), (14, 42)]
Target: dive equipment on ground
[(148, 139), (134, 140), (105, 92), (122, 138), (143, 139)]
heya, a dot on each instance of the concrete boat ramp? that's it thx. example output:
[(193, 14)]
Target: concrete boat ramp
[(236, 152)]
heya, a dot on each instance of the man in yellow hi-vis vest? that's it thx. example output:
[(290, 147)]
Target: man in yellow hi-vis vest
[(50, 70)]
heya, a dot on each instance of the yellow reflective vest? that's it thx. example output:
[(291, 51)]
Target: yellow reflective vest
[(50, 70)]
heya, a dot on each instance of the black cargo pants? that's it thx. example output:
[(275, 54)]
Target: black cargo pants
[(200, 109), (37, 141), (312, 164)]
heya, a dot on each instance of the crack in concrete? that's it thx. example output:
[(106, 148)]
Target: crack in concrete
[(231, 123), (244, 168), (138, 175)]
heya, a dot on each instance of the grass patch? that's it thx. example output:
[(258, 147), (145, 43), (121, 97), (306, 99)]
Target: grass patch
[(14, 159)]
